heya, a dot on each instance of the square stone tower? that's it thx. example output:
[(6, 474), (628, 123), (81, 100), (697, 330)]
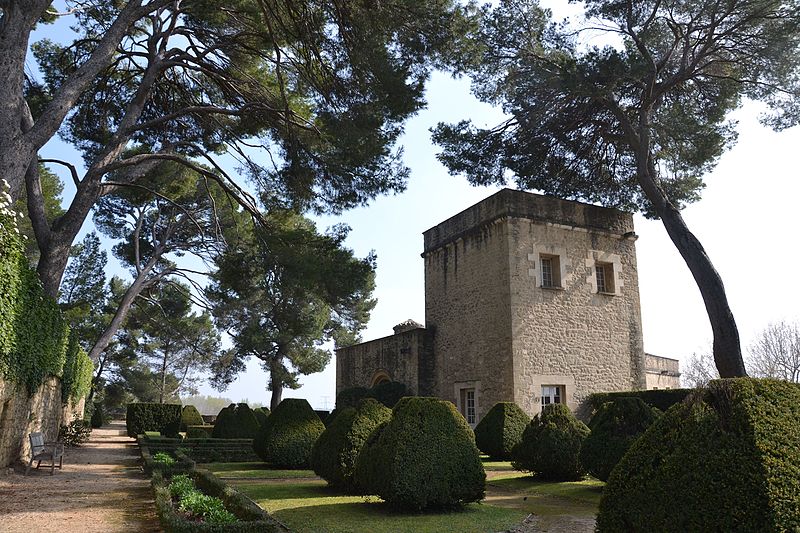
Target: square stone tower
[(532, 299)]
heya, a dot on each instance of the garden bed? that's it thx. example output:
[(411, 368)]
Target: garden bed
[(204, 450), (200, 502)]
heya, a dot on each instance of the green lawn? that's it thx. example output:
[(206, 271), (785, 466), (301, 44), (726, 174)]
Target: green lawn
[(310, 506), (254, 471), (305, 503)]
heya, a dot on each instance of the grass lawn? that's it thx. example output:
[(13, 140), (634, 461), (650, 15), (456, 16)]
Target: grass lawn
[(254, 471), (305, 503)]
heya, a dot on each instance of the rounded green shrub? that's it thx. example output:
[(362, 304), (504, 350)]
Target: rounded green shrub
[(236, 421), (500, 430), (615, 426), (333, 456), (389, 392), (424, 457), (726, 459), (290, 432), (190, 416), (261, 415), (551, 445), (98, 416)]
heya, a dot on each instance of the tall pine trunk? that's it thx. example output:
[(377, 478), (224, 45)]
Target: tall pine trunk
[(727, 348)]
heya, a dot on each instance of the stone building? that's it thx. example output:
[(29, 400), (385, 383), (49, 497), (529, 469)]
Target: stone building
[(528, 298), (661, 372)]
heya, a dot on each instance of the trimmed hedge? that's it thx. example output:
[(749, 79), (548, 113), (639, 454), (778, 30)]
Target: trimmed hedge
[(500, 430), (199, 431), (727, 459), (252, 518), (236, 421), (190, 416), (206, 449), (98, 416), (162, 417), (551, 444), (261, 414), (615, 427), (424, 457), (388, 393), (33, 331), (333, 456), (661, 399), (76, 379), (290, 432), (182, 464)]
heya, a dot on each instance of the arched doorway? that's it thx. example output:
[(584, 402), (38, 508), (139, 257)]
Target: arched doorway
[(380, 376)]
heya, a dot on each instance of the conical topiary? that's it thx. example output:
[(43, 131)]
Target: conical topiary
[(334, 454), (551, 445), (190, 416), (288, 435), (615, 426), (500, 430), (424, 457), (261, 415)]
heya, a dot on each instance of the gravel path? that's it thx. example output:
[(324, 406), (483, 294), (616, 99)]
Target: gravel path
[(100, 490)]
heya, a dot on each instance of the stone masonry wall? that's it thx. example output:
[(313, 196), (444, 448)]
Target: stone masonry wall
[(397, 356), (662, 372), (21, 415), (466, 307), (574, 336)]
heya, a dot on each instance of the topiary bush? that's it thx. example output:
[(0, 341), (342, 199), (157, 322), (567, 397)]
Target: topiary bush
[(389, 392), (350, 397), (614, 427), (190, 416), (98, 415), (424, 457), (500, 430), (726, 459), (236, 421), (551, 445), (289, 434), (261, 415), (164, 418), (333, 456)]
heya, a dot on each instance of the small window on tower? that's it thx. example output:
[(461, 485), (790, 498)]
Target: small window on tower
[(550, 271), (468, 406), (604, 273), (552, 394)]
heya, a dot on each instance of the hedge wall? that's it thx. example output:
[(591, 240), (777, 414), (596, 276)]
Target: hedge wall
[(727, 459), (78, 372), (162, 417), (33, 332), (661, 399), (388, 393)]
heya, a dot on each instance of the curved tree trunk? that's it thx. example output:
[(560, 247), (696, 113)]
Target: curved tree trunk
[(275, 371), (727, 348)]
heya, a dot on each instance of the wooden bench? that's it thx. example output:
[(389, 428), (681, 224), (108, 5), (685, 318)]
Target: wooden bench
[(41, 450)]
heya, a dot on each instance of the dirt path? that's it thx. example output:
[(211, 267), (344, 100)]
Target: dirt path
[(99, 490)]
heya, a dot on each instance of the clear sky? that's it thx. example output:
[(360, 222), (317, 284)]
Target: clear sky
[(747, 220)]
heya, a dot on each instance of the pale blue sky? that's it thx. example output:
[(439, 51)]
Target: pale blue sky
[(746, 220)]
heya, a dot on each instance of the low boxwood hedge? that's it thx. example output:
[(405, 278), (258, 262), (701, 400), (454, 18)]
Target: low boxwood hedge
[(333, 456), (614, 427), (236, 421), (199, 432), (727, 459), (290, 432), (181, 465), (500, 430), (206, 450), (164, 418), (251, 517), (551, 445), (424, 457)]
